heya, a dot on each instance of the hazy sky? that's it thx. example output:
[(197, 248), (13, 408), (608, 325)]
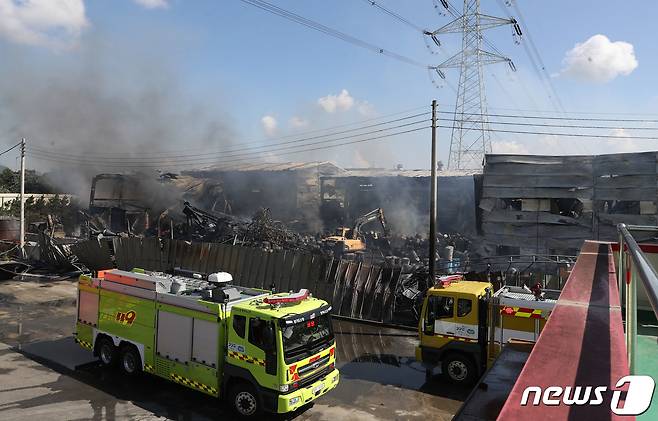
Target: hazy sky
[(134, 75)]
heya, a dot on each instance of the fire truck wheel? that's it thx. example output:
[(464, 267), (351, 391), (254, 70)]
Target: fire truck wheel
[(244, 400), (107, 352), (131, 363), (458, 369)]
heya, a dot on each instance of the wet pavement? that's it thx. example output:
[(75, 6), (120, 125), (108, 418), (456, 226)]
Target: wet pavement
[(44, 373)]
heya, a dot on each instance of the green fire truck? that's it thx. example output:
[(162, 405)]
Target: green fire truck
[(258, 350)]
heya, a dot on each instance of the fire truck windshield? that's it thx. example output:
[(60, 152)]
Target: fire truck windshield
[(306, 338)]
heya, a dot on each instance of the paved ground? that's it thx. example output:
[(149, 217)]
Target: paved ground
[(43, 373)]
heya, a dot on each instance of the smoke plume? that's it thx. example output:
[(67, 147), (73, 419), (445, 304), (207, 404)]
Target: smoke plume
[(104, 99)]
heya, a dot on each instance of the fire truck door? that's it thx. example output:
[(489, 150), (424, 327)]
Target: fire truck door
[(453, 316), (261, 345)]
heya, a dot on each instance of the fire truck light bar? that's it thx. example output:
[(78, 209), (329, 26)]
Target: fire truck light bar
[(290, 298)]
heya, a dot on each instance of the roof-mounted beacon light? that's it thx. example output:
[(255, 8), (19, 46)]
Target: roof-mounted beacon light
[(445, 281), (220, 278)]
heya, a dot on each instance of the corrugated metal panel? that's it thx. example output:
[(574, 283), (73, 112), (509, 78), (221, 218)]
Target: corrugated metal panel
[(355, 289)]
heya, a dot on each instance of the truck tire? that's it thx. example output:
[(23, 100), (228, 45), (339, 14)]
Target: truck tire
[(244, 400), (107, 352), (130, 360), (458, 369)]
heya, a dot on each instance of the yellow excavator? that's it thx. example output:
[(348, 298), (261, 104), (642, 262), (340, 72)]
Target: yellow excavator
[(350, 240)]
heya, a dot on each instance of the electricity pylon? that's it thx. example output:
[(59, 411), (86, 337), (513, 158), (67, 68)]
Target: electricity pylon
[(470, 139)]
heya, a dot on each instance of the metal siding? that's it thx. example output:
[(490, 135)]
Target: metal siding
[(205, 342), (174, 336), (141, 330), (128, 290), (184, 302), (88, 307)]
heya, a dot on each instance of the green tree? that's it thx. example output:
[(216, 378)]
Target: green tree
[(8, 181)]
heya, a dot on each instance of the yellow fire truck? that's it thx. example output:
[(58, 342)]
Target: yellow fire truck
[(261, 351), (464, 324)]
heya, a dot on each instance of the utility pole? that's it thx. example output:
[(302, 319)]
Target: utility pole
[(433, 198), (22, 198)]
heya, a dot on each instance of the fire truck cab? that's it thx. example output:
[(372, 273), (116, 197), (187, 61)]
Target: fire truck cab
[(464, 324)]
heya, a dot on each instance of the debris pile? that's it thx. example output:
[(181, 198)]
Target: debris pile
[(261, 231), (201, 225), (45, 253), (454, 252), (265, 232)]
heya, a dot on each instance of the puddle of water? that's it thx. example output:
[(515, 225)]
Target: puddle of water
[(386, 356), (407, 373)]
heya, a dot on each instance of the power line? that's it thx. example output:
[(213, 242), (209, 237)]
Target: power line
[(10, 149), (96, 164), (304, 142), (305, 147), (423, 31), (268, 141), (569, 134), (559, 118), (232, 152), (273, 148), (526, 31), (396, 16), (268, 7), (535, 110), (503, 88), (331, 134), (563, 126)]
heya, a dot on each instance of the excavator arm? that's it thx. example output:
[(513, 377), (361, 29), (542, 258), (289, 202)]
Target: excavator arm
[(375, 214)]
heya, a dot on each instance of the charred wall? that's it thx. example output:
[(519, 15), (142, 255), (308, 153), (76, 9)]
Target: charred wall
[(551, 204)]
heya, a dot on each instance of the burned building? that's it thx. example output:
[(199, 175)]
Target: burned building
[(551, 204), (290, 190), (321, 195), (405, 197), (132, 203), (116, 200)]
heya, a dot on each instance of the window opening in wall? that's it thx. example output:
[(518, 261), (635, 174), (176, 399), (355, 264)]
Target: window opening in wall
[(567, 207), (625, 207)]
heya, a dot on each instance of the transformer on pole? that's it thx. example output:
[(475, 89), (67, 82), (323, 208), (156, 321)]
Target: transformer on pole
[(470, 139)]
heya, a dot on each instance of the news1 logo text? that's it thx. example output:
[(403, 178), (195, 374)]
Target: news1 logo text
[(638, 397)]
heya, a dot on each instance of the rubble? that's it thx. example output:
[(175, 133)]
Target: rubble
[(47, 251), (190, 209), (262, 231)]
